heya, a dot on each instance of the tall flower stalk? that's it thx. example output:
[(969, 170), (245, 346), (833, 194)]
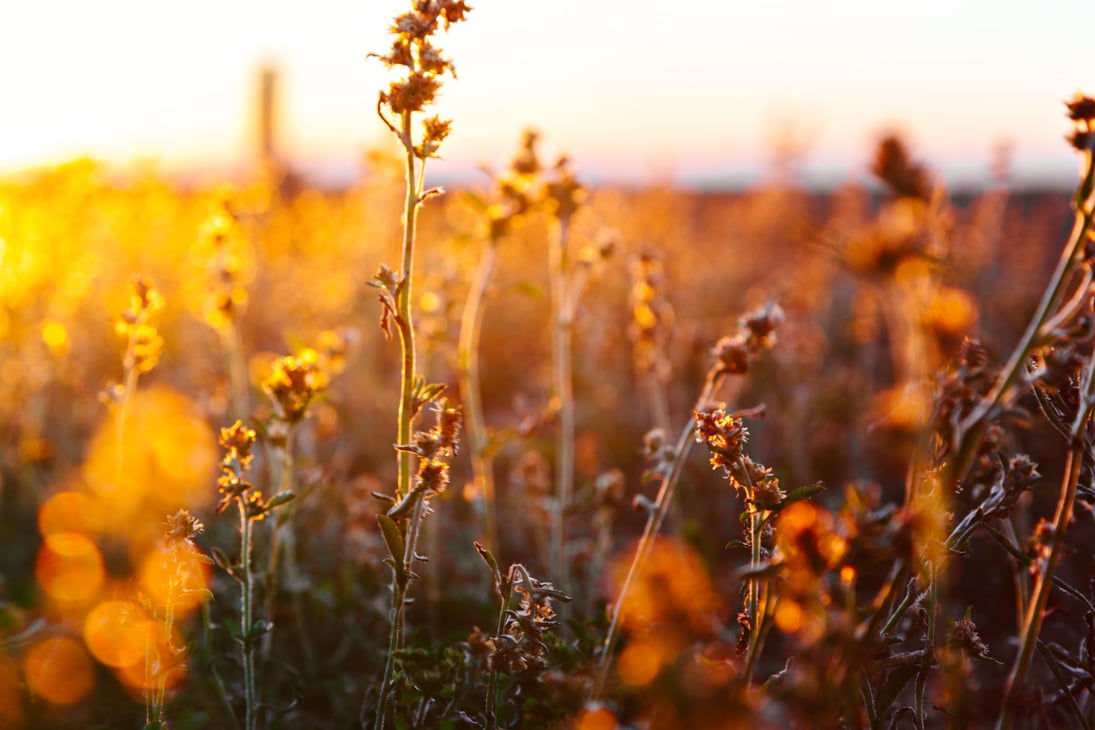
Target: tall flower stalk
[(422, 68), (1082, 112), (732, 355), (510, 202), (563, 195), (238, 442)]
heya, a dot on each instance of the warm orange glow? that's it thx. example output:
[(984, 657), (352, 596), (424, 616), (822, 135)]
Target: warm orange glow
[(175, 577), (639, 664), (115, 633), (70, 512), (11, 698), (600, 718), (952, 311), (59, 670), (901, 407), (70, 567), (167, 461), (159, 662), (673, 584), (55, 336), (789, 616)]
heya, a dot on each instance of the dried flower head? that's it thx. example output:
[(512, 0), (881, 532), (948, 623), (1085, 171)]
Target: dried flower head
[(237, 440), (292, 385), (222, 235), (526, 162), (182, 526), (144, 343), (723, 433), (412, 49), (563, 193), (1081, 108), (893, 165)]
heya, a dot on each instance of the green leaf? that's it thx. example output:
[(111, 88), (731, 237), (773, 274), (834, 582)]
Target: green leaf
[(260, 627), (797, 495), (530, 289), (202, 558), (393, 538), (222, 560), (279, 499), (488, 558), (764, 569), (205, 593)]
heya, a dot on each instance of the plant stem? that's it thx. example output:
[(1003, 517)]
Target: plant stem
[(237, 370), (492, 681), (973, 427), (405, 324), (1032, 622), (562, 333), (282, 523), (650, 532), (405, 315), (246, 608), (471, 325), (756, 528)]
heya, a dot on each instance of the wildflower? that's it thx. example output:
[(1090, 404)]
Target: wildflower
[(732, 355), (963, 635), (723, 433), (145, 345), (292, 385), (564, 195), (182, 526), (894, 167), (413, 50), (1081, 109), (237, 440), (436, 129), (526, 162), (411, 94)]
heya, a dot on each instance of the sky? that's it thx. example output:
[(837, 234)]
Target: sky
[(685, 91)]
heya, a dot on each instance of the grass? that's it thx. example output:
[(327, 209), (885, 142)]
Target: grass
[(890, 525)]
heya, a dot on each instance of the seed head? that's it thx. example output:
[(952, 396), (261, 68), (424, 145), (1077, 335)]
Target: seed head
[(292, 385), (1081, 109), (894, 167), (182, 526)]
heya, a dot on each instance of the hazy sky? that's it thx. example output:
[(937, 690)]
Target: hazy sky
[(687, 89)]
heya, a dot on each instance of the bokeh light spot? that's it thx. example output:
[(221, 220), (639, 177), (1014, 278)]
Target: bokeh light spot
[(639, 664), (59, 670), (70, 567), (70, 512), (600, 718), (175, 577), (115, 633), (11, 699)]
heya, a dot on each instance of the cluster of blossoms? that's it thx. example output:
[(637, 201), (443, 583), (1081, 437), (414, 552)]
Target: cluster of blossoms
[(222, 234), (519, 649), (293, 383), (237, 441), (1081, 110), (136, 324), (432, 448), (725, 435), (413, 50), (651, 316), (756, 333)]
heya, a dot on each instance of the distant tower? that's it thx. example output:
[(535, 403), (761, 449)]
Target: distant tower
[(267, 117), (270, 164)]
